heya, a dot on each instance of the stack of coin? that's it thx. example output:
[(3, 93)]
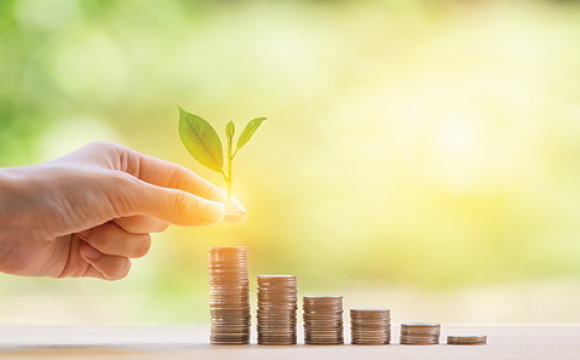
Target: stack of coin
[(323, 320), (229, 295), (370, 326), (420, 333), (466, 339), (277, 307)]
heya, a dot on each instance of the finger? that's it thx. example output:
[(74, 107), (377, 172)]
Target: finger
[(110, 267), (135, 197), (141, 224), (93, 273), (169, 175), (112, 240)]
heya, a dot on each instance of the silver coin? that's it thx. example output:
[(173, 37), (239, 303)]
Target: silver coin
[(420, 325), (370, 322), (332, 318), (323, 323), (329, 298), (323, 333), (318, 342)]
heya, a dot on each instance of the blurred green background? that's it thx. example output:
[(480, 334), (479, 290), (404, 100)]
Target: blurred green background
[(419, 155)]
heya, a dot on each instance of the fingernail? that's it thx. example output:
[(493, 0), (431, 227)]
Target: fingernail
[(234, 217), (211, 211), (90, 252), (84, 234)]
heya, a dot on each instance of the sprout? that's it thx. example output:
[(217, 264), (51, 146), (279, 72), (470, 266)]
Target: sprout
[(203, 143)]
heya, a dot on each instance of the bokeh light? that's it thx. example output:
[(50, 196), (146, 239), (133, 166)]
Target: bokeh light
[(418, 155)]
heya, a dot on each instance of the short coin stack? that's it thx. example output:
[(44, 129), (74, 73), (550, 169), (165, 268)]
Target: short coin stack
[(277, 307), (420, 333), (323, 324), (370, 326), (466, 339), (229, 295)]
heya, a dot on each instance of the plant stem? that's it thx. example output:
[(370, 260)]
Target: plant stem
[(229, 176)]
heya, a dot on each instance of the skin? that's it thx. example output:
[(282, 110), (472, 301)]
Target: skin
[(88, 213)]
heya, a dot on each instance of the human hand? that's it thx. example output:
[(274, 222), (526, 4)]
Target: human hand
[(87, 213)]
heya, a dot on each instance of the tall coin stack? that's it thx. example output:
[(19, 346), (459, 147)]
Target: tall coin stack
[(277, 307), (229, 295), (323, 324), (420, 333), (370, 326)]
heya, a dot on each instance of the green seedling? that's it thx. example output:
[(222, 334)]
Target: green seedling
[(203, 143)]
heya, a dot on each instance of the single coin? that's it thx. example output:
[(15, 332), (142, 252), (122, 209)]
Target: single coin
[(277, 340), (277, 334), (322, 307), (233, 273), (376, 337), (225, 284), (233, 261), (279, 331), (370, 342), (354, 322), (227, 261), (277, 307), (229, 299), (277, 324), (228, 288), (369, 312), (328, 298), (420, 334), (229, 294), (420, 325), (319, 342), (278, 289), (322, 316), (272, 326), (230, 336), (275, 294), (230, 328), (370, 333), (228, 281), (267, 316), (327, 331), (229, 340), (281, 342), (261, 320), (291, 294), (277, 281), (226, 322), (314, 313), (273, 310), (223, 249), (323, 323), (230, 313), (229, 304), (279, 300)]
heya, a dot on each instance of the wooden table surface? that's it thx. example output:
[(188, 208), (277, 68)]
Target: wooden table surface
[(504, 342)]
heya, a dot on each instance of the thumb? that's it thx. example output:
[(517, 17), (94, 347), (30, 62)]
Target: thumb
[(172, 205)]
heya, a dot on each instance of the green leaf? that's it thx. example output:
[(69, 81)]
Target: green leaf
[(230, 130), (249, 131), (201, 140)]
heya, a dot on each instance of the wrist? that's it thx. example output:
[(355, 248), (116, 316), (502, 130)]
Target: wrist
[(9, 187)]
